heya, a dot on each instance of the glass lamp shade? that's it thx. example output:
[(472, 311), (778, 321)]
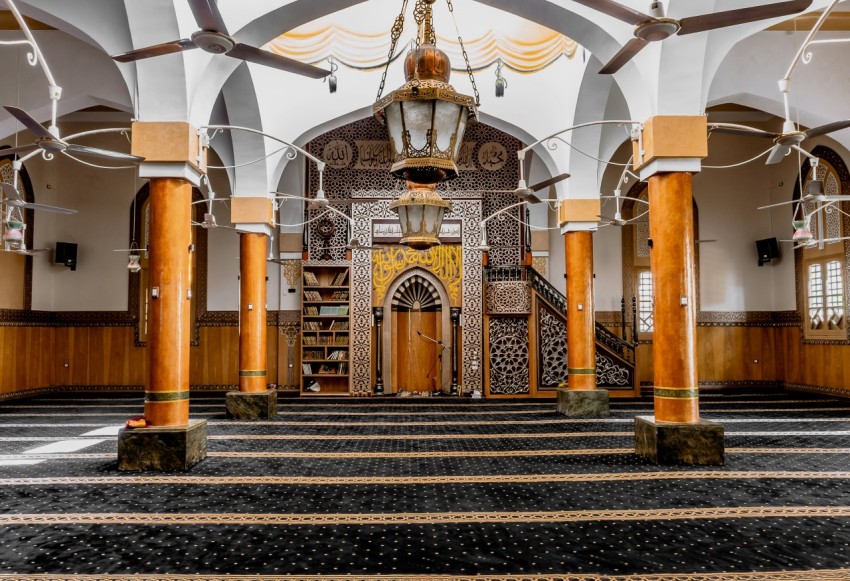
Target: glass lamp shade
[(426, 119), (420, 213)]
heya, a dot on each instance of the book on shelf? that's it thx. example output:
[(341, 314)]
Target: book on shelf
[(326, 368), (310, 278), (338, 355), (307, 369), (314, 354), (339, 326), (333, 310), (341, 340), (340, 295), (312, 325), (308, 310), (339, 279), (308, 340), (343, 369), (312, 295)]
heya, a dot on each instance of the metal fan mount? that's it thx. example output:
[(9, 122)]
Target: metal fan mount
[(657, 29), (213, 42)]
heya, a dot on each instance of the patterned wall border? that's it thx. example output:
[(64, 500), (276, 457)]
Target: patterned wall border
[(361, 291), (10, 318), (817, 389), (721, 318)]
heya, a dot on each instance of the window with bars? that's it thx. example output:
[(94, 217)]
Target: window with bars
[(646, 322), (825, 299), (824, 266)]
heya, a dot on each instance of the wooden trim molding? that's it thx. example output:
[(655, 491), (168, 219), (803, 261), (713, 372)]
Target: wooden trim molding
[(722, 319), (817, 389)]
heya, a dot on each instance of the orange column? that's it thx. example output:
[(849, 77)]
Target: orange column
[(169, 293), (581, 336), (672, 259), (252, 312)]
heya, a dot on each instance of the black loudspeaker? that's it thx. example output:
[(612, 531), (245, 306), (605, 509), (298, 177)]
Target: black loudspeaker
[(767, 249), (66, 253)]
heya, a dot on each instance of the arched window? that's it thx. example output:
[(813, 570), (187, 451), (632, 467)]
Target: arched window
[(139, 299), (821, 265)]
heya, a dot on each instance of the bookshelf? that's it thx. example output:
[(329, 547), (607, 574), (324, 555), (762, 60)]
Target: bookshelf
[(325, 329)]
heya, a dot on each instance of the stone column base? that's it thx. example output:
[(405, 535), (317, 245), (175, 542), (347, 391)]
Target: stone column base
[(583, 404), (246, 405), (162, 448), (669, 443)]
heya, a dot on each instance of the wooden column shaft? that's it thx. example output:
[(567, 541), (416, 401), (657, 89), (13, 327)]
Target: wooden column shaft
[(169, 313), (581, 335), (672, 259), (252, 312)]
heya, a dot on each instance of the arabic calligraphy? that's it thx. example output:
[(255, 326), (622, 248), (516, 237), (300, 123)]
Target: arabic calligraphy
[(337, 154), (373, 154), (492, 156), (445, 262), (388, 231), (464, 157)]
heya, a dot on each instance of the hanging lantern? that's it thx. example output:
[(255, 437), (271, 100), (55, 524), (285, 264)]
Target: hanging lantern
[(425, 118), (420, 212), (13, 234)]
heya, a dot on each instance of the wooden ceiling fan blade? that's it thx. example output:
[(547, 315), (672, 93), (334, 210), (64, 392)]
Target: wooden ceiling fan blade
[(703, 22), (155, 50), (616, 10), (276, 61), (777, 154), (526, 195), (828, 128), (629, 50), (546, 183), (28, 122), (208, 16), (104, 153)]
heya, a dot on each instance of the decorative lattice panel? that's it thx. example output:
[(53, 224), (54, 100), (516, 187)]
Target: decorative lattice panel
[(552, 345), (507, 297), (509, 355)]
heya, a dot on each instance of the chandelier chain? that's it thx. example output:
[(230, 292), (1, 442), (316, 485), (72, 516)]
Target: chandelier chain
[(420, 12), (395, 34), (465, 57)]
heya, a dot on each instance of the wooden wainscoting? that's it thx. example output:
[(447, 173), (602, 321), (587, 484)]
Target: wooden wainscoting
[(821, 368)]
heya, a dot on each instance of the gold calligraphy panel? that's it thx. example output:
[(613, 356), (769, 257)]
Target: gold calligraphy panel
[(445, 262)]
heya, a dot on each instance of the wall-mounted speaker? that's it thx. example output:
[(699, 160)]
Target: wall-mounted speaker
[(767, 249), (65, 253)]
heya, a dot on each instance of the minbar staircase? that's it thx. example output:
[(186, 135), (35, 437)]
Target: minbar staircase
[(525, 339)]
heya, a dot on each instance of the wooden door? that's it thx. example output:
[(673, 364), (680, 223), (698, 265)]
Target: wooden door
[(417, 367)]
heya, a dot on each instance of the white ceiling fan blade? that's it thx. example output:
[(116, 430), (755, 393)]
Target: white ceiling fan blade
[(12, 195), (23, 149), (28, 122), (46, 208), (777, 204), (208, 16), (259, 56), (777, 154), (104, 153), (155, 50)]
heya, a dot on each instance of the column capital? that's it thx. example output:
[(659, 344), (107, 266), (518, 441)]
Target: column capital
[(254, 214), (579, 214), (172, 149), (670, 143)]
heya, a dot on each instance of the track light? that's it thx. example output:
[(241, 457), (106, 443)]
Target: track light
[(501, 83), (331, 78)]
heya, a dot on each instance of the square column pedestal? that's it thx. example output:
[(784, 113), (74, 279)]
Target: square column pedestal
[(669, 443), (583, 404), (248, 405), (164, 449)]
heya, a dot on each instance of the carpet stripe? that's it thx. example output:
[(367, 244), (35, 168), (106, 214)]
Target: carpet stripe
[(424, 518), (807, 575), (413, 480)]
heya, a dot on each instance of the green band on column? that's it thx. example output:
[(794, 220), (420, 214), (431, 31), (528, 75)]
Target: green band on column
[(160, 396), (253, 373), (580, 371), (676, 392)]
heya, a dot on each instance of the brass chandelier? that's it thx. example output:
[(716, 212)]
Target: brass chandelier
[(426, 120)]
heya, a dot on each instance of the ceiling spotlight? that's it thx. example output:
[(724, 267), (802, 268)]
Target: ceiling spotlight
[(331, 78), (501, 83)]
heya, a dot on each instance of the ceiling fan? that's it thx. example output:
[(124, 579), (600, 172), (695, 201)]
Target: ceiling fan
[(617, 219), (49, 142), (214, 38), (656, 26), (14, 199), (783, 142)]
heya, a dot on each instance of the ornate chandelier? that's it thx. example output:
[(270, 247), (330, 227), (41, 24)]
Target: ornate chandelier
[(426, 120)]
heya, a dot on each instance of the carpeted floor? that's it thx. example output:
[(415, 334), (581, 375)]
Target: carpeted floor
[(426, 488)]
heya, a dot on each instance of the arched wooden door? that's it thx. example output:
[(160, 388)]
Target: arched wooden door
[(417, 329)]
